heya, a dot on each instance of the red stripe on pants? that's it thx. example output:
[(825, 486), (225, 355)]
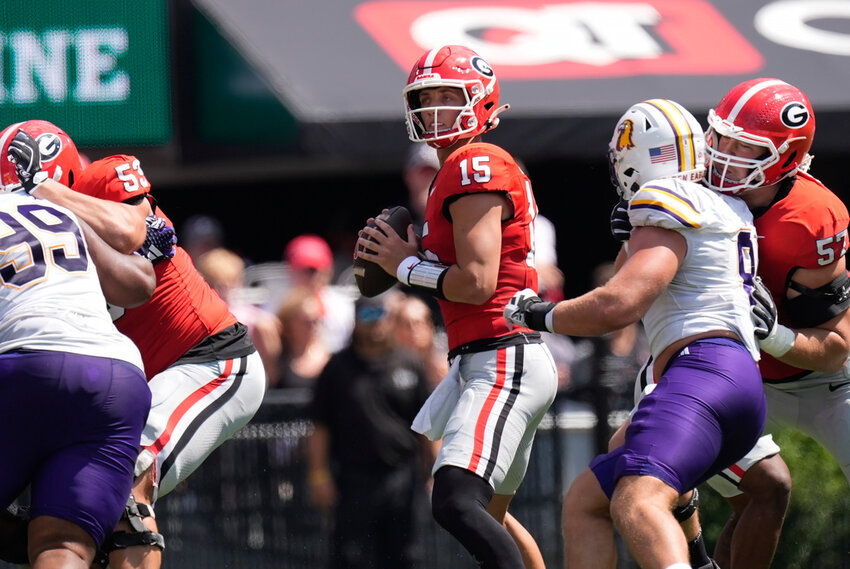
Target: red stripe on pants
[(185, 405), (481, 424)]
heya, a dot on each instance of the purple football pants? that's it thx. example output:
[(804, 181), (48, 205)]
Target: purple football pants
[(72, 425), (706, 412)]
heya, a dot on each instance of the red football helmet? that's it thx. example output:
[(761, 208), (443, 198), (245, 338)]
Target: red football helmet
[(764, 112), (115, 178), (59, 156), (452, 66)]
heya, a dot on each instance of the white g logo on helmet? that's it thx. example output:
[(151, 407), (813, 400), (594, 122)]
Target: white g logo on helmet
[(794, 115), (481, 66), (49, 145)]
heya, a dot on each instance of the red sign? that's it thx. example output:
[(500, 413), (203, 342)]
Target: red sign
[(567, 40)]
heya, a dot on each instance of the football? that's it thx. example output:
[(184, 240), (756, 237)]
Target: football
[(371, 279)]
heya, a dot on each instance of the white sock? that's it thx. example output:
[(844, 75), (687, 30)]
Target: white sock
[(679, 566)]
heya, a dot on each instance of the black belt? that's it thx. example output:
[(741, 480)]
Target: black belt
[(488, 344)]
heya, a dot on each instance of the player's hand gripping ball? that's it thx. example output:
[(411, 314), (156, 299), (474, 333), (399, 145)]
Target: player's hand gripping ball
[(371, 279)]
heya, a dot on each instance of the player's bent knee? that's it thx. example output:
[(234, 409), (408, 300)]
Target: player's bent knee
[(769, 480)]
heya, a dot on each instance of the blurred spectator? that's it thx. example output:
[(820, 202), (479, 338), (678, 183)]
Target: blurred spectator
[(200, 233), (414, 329), (310, 262), (551, 288), (224, 270), (365, 464), (420, 167), (564, 353), (303, 351), (551, 278), (419, 170)]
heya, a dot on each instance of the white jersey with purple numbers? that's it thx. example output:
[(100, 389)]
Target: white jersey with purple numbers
[(711, 290), (51, 297)]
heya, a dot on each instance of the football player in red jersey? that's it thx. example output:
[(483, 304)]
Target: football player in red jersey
[(759, 139), (760, 135), (477, 251), (205, 374)]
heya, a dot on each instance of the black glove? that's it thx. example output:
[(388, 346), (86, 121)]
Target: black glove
[(160, 241), (23, 152), (621, 227), (763, 310), (528, 310)]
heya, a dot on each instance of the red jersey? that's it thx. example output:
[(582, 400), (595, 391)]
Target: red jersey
[(805, 229), (474, 168), (182, 311)]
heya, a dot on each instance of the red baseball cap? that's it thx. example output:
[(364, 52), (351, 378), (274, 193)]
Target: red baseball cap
[(308, 252), (115, 178)]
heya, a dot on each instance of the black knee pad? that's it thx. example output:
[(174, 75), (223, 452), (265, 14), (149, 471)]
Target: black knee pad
[(682, 513), (139, 534)]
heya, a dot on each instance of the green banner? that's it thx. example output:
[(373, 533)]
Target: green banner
[(97, 68)]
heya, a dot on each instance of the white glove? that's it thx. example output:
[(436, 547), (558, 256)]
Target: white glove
[(528, 310), (774, 338)]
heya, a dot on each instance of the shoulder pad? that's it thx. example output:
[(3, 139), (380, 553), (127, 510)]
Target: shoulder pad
[(667, 204)]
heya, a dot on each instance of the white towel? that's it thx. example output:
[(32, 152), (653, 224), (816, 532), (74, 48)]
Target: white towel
[(435, 412)]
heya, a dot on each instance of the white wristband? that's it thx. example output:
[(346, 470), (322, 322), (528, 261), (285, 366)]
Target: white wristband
[(404, 269), (550, 320), (779, 342)]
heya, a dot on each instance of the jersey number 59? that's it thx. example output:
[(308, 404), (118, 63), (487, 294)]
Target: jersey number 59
[(34, 238)]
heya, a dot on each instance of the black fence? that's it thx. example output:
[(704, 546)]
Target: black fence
[(247, 506)]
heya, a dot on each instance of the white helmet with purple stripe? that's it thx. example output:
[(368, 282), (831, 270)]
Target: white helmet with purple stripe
[(655, 139)]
